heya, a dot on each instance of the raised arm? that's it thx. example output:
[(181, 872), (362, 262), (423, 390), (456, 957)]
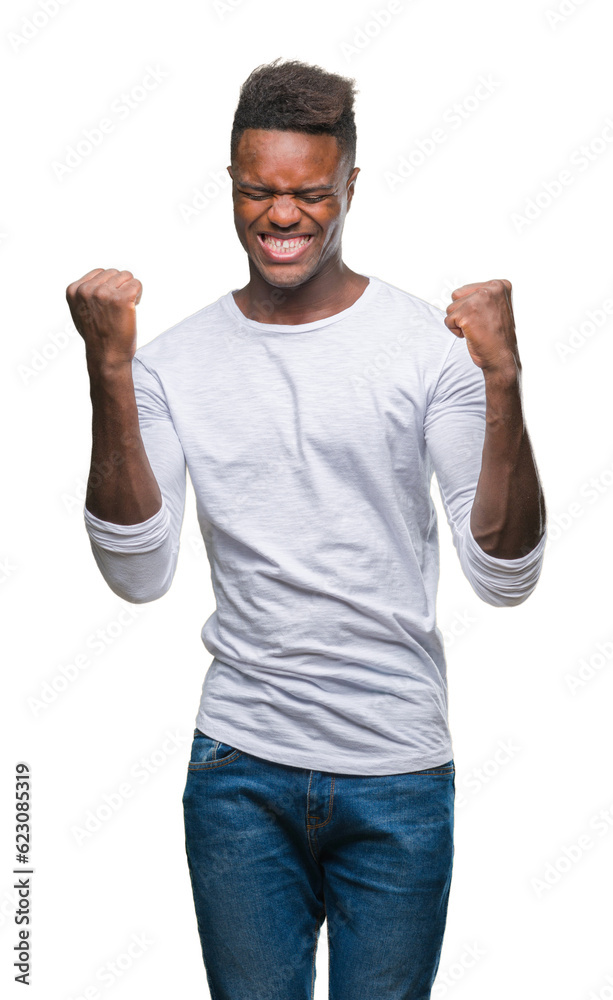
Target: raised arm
[(508, 514), (481, 454), (136, 488)]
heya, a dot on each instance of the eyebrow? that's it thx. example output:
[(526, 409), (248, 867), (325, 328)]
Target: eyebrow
[(305, 190)]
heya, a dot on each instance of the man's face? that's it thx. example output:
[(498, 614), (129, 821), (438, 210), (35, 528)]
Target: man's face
[(290, 186)]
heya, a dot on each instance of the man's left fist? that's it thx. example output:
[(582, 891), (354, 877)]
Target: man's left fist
[(483, 314)]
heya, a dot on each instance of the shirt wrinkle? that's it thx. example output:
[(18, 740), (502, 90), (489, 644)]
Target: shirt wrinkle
[(311, 450)]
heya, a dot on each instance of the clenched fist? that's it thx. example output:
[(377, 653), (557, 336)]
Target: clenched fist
[(103, 307), (482, 313)]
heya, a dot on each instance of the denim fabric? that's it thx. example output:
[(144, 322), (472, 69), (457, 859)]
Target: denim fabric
[(273, 850)]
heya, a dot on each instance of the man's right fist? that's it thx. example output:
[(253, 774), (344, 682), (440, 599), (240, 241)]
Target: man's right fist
[(103, 308)]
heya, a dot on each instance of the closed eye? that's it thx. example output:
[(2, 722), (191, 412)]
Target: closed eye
[(264, 197)]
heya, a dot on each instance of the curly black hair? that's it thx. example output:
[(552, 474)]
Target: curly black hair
[(296, 97)]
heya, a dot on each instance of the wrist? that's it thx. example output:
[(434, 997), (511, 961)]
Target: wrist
[(106, 367), (506, 375)]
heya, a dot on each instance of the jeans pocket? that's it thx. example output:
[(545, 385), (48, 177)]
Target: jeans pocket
[(207, 752)]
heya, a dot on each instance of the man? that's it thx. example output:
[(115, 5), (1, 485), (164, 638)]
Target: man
[(312, 407)]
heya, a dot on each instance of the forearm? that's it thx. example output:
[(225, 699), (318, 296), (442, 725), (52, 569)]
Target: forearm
[(508, 512), (121, 488)]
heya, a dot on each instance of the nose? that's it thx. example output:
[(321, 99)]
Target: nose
[(283, 211)]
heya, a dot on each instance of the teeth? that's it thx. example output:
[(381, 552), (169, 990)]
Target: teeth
[(285, 246)]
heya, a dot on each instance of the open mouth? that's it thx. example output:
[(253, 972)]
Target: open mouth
[(286, 249)]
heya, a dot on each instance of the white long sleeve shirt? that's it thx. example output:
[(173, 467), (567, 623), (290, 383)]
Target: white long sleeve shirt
[(311, 450)]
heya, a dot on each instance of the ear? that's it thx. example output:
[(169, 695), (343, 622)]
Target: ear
[(351, 186)]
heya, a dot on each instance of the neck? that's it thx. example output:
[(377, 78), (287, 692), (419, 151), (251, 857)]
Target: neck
[(329, 291)]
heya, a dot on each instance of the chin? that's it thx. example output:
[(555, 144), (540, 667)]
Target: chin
[(285, 276)]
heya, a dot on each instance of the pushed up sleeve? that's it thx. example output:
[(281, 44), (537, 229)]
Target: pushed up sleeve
[(454, 428), (138, 561)]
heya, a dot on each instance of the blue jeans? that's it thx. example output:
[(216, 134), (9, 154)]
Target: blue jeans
[(272, 850)]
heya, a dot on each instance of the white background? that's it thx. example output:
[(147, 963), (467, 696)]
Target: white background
[(456, 219)]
